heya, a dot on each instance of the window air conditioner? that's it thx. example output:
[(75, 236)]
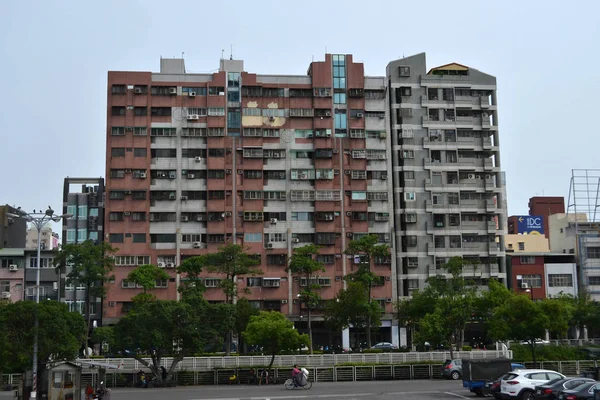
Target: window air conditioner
[(161, 265), (192, 94), (172, 90)]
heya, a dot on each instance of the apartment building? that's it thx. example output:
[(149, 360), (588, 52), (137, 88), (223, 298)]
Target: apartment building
[(270, 162), (449, 189), (83, 198), (18, 275), (49, 239), (543, 274), (12, 230)]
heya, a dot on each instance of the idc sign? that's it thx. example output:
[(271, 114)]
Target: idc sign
[(530, 223)]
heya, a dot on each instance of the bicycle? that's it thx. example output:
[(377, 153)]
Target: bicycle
[(291, 385)]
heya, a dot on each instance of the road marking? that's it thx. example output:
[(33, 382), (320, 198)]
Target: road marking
[(458, 395), (319, 396)]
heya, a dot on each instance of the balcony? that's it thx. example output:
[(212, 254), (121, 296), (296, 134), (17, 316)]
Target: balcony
[(465, 101), (441, 103), (445, 229), (491, 227), (440, 186), (443, 251)]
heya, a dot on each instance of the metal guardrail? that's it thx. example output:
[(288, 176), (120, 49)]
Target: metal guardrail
[(321, 360)]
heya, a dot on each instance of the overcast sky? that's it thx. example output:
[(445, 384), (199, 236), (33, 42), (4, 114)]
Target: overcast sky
[(55, 55)]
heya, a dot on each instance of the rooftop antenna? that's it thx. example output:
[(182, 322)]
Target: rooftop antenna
[(231, 52), (182, 54), (222, 53)]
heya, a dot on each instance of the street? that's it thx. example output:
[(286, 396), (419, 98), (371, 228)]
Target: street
[(380, 390)]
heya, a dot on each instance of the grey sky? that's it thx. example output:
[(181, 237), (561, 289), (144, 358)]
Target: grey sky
[(55, 56)]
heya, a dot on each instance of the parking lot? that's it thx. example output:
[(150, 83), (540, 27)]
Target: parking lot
[(381, 390)]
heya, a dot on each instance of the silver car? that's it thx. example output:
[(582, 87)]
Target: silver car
[(452, 369)]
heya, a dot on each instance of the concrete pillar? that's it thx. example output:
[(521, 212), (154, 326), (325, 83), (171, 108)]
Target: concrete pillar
[(402, 337), (585, 333), (346, 338), (395, 335)]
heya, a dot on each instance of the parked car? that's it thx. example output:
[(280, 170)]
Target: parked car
[(520, 384), (385, 346), (584, 391), (452, 369), (494, 387), (549, 390)]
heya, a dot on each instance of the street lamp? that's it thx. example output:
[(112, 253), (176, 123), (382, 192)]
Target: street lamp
[(530, 291), (39, 219)]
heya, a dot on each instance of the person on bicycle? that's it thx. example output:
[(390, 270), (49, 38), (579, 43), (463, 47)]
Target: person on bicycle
[(296, 375)]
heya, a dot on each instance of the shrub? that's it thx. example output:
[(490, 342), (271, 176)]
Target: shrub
[(548, 353), (467, 348)]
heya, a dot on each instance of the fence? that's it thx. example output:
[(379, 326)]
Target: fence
[(221, 376), (321, 360)]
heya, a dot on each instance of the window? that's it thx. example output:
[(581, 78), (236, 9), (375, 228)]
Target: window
[(117, 173), (403, 71), (140, 111), (359, 196), (81, 235), (216, 111), (302, 216), (322, 92), (407, 154), (115, 238), (72, 209), (160, 111), (82, 212), (527, 259), (253, 174), (162, 90), (71, 234), (253, 237), (119, 89), (117, 131), (93, 235), (162, 238), (593, 252), (409, 175), (532, 281), (276, 259), (44, 262), (212, 282), (200, 91), (163, 132), (93, 212), (409, 196), (139, 238), (326, 258), (339, 71), (594, 280), (412, 284), (521, 246), (341, 122), (215, 174), (118, 111), (253, 194), (560, 280), (117, 152), (410, 241), (339, 98)]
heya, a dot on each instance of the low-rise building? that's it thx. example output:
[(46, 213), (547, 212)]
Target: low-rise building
[(543, 275)]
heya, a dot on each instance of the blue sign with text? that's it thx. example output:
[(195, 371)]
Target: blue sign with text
[(530, 223)]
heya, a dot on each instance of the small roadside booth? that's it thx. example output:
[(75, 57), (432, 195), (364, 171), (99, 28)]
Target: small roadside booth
[(64, 381), (99, 379)]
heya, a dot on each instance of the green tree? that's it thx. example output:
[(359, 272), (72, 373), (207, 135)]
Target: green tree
[(146, 276), (233, 261), (60, 334), (519, 318), (445, 306), (105, 337), (368, 250), (559, 315), (161, 328), (91, 266), (353, 308), (274, 333), (192, 268), (243, 312), (586, 313), (304, 265)]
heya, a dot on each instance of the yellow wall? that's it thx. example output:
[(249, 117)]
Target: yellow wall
[(534, 243)]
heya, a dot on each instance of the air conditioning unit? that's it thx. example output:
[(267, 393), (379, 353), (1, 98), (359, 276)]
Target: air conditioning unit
[(13, 267), (228, 171), (193, 117), (347, 172), (488, 176), (273, 221), (228, 213), (269, 245), (170, 265), (192, 94), (184, 198), (191, 176), (112, 303), (336, 171), (128, 192), (173, 90), (359, 115), (382, 135), (276, 155), (349, 234), (381, 116), (137, 90), (328, 114), (271, 119), (284, 301), (128, 170), (5, 295), (126, 212), (336, 151), (388, 278), (524, 285), (381, 156), (348, 213), (185, 218), (327, 134), (388, 300), (161, 265), (197, 245), (240, 171), (295, 240), (198, 159), (143, 175), (384, 177), (471, 176)]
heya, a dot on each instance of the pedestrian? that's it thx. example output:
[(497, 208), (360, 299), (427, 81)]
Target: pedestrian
[(89, 391), (163, 372)]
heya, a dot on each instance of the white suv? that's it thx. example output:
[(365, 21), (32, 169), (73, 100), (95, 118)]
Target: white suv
[(520, 384)]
